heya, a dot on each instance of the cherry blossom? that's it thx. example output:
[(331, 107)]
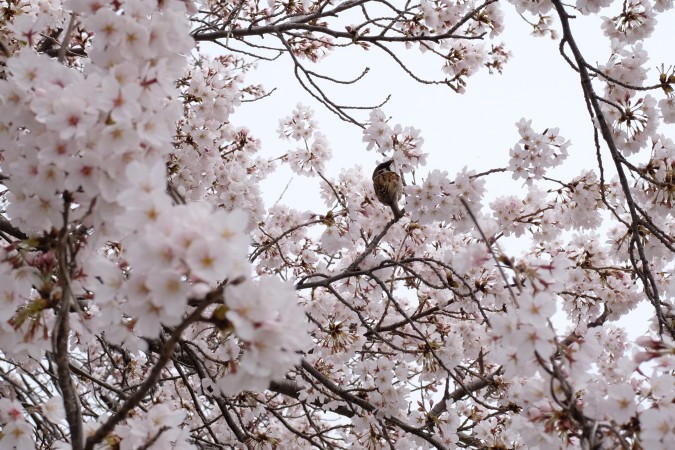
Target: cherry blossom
[(153, 297)]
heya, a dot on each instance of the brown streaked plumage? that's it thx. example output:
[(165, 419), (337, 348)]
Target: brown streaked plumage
[(388, 186)]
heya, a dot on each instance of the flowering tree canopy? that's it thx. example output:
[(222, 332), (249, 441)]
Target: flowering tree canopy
[(150, 299)]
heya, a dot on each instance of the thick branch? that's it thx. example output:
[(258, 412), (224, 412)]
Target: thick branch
[(71, 399), (644, 272)]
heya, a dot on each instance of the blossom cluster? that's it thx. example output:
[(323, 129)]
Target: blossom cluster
[(526, 330), (184, 253), (77, 131), (271, 325), (536, 152), (143, 430), (439, 199), (85, 147), (213, 159), (301, 127), (406, 143), (16, 430)]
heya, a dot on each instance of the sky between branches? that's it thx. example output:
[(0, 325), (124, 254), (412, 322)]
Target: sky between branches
[(474, 129)]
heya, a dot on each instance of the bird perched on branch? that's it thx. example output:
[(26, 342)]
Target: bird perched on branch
[(388, 186)]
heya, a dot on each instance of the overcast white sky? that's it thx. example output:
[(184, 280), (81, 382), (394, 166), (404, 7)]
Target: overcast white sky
[(475, 129)]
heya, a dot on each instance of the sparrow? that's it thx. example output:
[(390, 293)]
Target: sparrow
[(388, 186)]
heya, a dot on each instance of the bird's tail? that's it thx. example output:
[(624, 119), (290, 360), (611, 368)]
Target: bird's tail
[(397, 212)]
